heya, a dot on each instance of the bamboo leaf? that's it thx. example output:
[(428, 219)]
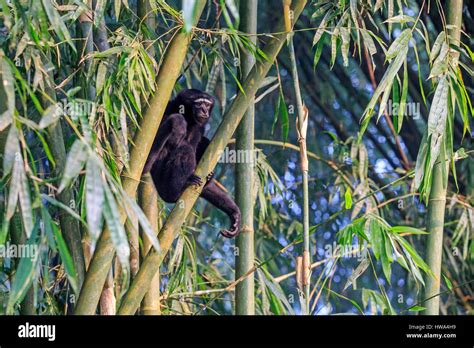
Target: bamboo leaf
[(448, 282), (24, 274), (74, 163), (277, 291), (15, 187), (407, 230), (62, 206), (7, 89), (440, 65), (437, 45), (357, 273), (94, 198), (322, 26), (399, 44), (57, 23), (7, 17), (437, 119), (66, 257), (144, 223), (51, 115), (417, 309), (345, 36), (348, 198), (11, 152), (384, 86), (25, 202), (403, 99), (117, 232)]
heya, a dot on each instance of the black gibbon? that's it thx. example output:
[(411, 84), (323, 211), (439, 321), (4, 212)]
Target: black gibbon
[(177, 149)]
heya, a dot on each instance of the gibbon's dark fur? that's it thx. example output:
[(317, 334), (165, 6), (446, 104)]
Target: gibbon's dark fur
[(177, 149)]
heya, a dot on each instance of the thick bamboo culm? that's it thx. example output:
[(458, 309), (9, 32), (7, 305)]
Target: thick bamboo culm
[(437, 200), (244, 177)]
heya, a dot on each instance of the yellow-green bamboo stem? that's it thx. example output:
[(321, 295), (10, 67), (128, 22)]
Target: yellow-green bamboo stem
[(306, 258), (149, 205), (244, 176), (143, 140), (231, 119), (437, 200)]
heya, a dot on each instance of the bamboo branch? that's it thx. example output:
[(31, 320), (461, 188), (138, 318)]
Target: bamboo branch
[(304, 272)]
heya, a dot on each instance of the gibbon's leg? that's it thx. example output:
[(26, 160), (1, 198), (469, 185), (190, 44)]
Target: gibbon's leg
[(177, 173), (221, 200)]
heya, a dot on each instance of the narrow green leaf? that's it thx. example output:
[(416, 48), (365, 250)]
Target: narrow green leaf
[(403, 99), (94, 198), (117, 232), (7, 93), (417, 309), (348, 198), (25, 272), (407, 230), (25, 202), (74, 163), (57, 23), (51, 115)]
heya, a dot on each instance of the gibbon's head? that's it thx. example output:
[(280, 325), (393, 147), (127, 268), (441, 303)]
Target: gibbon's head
[(195, 105)]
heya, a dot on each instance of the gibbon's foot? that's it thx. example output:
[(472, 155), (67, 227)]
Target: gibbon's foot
[(194, 180), (234, 230), (209, 176)]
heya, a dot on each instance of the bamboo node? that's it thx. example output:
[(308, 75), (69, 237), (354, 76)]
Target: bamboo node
[(86, 17), (246, 229)]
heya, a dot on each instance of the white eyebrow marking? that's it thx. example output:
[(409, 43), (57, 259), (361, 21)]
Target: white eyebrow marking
[(203, 100)]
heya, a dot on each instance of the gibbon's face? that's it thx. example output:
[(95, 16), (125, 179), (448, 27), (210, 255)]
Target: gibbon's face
[(202, 108)]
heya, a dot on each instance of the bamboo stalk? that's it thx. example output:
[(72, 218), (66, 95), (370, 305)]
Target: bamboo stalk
[(85, 25), (69, 225), (244, 177), (149, 205), (231, 119), (143, 140), (437, 200), (301, 128)]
